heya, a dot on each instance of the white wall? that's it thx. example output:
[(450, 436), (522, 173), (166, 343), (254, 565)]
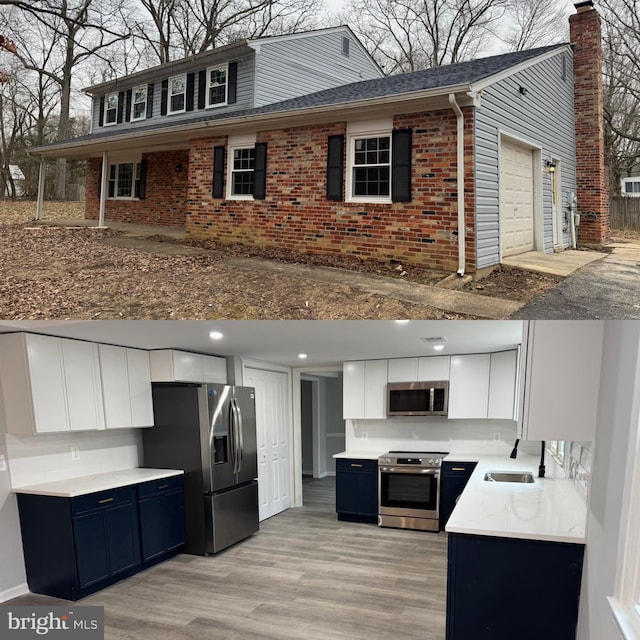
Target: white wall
[(618, 414)]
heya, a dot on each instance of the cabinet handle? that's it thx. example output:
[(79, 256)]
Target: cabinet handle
[(356, 465), (162, 487), (106, 500), (458, 468)]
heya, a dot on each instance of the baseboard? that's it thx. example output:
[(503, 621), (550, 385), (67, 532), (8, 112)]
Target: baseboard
[(14, 592)]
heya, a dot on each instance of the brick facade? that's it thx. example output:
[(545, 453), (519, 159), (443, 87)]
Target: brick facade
[(166, 195), (593, 193), (296, 214)]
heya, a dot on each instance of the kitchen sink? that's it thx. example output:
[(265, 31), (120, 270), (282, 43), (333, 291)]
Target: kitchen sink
[(503, 476)]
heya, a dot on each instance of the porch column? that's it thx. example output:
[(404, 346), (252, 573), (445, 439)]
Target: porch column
[(41, 179), (104, 183)]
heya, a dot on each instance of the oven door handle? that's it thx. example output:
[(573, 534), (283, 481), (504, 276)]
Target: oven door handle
[(404, 470)]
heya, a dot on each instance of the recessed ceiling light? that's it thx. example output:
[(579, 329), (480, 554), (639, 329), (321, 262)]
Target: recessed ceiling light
[(302, 356), (403, 321), (215, 335), (438, 347)]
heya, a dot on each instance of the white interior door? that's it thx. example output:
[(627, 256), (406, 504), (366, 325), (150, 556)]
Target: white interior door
[(272, 433), (516, 198)]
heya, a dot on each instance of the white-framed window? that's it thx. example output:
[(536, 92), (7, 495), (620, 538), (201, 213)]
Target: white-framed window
[(625, 602), (111, 109), (369, 162), (242, 162), (217, 89), (124, 180), (178, 94), (630, 187), (139, 103), (557, 448)]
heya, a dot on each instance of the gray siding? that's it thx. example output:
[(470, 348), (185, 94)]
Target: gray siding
[(246, 71), (293, 67), (545, 118)]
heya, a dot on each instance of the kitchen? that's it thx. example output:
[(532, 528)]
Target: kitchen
[(267, 354)]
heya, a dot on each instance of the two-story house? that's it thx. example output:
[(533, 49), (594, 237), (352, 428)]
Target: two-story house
[(300, 142)]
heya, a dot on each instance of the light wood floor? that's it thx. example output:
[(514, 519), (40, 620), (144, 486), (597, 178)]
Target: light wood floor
[(305, 575)]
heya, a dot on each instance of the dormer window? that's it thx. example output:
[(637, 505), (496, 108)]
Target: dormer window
[(217, 86), (139, 103), (111, 109), (177, 94)]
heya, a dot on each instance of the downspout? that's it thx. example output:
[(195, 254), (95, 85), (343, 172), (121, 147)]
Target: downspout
[(460, 171), (104, 184), (41, 181)]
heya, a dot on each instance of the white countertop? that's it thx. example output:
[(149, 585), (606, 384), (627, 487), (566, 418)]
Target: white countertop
[(548, 509), (98, 482)]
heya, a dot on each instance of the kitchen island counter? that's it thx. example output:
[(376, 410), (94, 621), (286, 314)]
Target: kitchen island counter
[(548, 509)]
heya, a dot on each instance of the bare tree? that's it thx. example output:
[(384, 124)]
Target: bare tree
[(82, 30), (177, 28), (622, 88), (407, 35), (534, 23)]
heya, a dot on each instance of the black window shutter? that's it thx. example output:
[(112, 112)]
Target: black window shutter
[(190, 90), (120, 106), (217, 189), (127, 106), (142, 184), (163, 97), (260, 172), (150, 100), (202, 88), (232, 83), (401, 165), (335, 168), (101, 114)]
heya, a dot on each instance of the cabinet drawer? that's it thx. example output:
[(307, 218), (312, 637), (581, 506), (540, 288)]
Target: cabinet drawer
[(103, 499), (458, 468), (353, 464), (158, 487)]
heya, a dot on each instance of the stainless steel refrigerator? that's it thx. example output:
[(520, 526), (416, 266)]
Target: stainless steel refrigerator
[(209, 430)]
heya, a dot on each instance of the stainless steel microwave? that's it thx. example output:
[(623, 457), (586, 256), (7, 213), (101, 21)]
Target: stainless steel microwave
[(417, 398)]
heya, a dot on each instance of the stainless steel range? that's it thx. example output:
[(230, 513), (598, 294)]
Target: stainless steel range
[(409, 490)]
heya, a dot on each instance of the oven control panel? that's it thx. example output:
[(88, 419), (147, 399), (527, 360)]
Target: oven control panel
[(429, 460)]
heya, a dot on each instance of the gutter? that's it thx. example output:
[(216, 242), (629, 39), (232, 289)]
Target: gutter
[(460, 171), (336, 112)]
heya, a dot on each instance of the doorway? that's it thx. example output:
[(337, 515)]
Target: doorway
[(322, 425)]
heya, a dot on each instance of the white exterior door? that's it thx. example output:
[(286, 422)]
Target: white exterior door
[(272, 434), (516, 198)]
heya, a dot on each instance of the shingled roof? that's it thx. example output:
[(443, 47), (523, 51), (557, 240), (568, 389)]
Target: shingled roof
[(453, 75)]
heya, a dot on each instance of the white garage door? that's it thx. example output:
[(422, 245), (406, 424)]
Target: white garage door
[(516, 198)]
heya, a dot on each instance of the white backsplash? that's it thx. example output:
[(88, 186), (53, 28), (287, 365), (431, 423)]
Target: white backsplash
[(47, 457), (434, 434)]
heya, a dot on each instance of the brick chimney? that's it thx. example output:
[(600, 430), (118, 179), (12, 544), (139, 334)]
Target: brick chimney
[(591, 177)]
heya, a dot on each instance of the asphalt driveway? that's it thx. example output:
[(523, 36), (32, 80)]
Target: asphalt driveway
[(606, 289)]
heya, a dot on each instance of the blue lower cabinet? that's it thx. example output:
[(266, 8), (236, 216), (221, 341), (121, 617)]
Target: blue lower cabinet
[(161, 507), (454, 478), (508, 588), (357, 490), (76, 546)]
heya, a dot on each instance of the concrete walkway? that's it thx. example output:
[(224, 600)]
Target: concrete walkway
[(563, 263)]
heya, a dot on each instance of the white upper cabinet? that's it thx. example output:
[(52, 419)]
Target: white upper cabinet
[(50, 384), (426, 369), (126, 387), (469, 386), (364, 389), (560, 379), (502, 385), (171, 365)]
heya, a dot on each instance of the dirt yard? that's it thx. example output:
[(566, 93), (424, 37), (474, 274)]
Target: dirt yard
[(76, 273)]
